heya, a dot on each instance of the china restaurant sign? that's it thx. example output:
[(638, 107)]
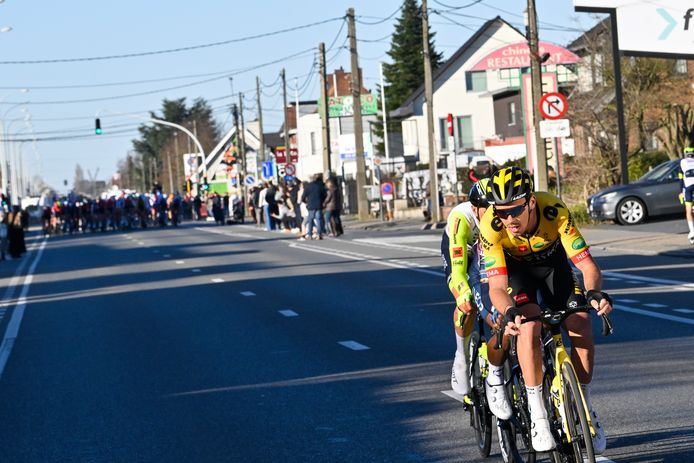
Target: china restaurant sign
[(517, 55)]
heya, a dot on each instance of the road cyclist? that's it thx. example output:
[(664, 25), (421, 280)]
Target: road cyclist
[(527, 239), (463, 261), (686, 176)]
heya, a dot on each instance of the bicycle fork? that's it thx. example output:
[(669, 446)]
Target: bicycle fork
[(561, 358)]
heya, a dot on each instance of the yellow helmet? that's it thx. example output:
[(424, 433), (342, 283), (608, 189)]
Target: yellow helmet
[(508, 185)]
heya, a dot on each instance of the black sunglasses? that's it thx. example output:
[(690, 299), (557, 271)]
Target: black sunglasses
[(510, 212)]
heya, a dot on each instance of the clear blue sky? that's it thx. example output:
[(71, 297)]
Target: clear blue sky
[(61, 29)]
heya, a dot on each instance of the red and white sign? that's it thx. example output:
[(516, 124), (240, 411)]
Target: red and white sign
[(517, 55), (449, 124), (553, 106), (280, 155), (387, 190), (290, 170), (293, 155)]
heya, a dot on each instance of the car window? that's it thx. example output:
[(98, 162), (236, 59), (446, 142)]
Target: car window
[(659, 173)]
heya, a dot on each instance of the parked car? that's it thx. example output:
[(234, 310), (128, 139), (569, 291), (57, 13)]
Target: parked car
[(656, 193)]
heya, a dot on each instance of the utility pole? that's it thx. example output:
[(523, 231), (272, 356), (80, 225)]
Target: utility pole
[(169, 168), (284, 109), (362, 201), (540, 163), (241, 172), (429, 101), (324, 109), (261, 136)]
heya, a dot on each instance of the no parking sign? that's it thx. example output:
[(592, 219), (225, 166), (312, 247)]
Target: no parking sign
[(387, 190)]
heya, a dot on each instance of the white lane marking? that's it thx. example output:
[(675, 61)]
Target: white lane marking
[(141, 243), (454, 395), (217, 280), (247, 293), (354, 345), (352, 256), (232, 234), (9, 292), (379, 243), (628, 301), (166, 255), (648, 313), (661, 281), (196, 270), (683, 310), (16, 320), (654, 305), (289, 313), (180, 262)]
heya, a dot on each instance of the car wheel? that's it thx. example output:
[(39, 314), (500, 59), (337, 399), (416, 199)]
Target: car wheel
[(631, 211)]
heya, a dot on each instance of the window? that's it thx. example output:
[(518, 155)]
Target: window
[(476, 81), (510, 77), (313, 143), (443, 134), (463, 130), (511, 113), (681, 66)]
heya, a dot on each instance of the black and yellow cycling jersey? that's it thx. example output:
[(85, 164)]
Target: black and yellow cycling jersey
[(555, 227)]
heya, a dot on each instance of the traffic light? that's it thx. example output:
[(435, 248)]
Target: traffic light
[(205, 186), (188, 186), (97, 128)]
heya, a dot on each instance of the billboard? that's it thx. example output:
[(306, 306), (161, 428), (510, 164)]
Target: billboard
[(649, 27), (343, 106)]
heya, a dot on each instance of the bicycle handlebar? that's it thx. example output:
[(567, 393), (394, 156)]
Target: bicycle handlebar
[(553, 318)]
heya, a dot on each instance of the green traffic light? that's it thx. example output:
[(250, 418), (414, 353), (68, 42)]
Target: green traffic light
[(97, 128)]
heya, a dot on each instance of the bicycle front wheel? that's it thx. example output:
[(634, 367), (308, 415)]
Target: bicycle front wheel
[(481, 415), (575, 415)]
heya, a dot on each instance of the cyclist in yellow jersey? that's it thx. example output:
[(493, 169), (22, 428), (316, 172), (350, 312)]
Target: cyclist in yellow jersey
[(463, 262), (527, 239)]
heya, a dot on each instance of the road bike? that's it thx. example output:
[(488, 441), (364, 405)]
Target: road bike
[(568, 412), (476, 401)]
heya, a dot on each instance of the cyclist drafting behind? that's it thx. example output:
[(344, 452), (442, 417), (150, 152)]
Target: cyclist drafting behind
[(686, 176), (527, 238), (463, 262)]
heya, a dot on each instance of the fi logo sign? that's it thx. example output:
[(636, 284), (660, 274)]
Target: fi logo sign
[(671, 22)]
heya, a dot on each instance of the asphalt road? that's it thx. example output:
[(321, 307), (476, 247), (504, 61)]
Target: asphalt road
[(232, 344)]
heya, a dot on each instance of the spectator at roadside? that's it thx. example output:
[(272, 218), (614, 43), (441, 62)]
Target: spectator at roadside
[(294, 196), (314, 196), (3, 234), (332, 206)]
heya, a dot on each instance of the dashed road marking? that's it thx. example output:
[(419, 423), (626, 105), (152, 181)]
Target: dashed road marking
[(141, 243), (683, 310), (648, 313), (247, 293), (354, 345), (180, 262), (289, 313), (217, 280), (196, 270), (166, 255), (628, 301), (655, 305)]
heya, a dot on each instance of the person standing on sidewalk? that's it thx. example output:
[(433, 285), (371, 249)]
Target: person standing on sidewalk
[(686, 175), (332, 206), (314, 196)]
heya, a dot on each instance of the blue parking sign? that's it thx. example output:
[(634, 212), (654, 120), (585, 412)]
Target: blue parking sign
[(268, 170)]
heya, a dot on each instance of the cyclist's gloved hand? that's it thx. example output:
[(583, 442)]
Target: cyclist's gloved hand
[(681, 196), (600, 301), (511, 322), (464, 301)]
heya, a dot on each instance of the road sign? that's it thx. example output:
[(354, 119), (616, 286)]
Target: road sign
[(288, 178), (387, 190), (281, 155), (250, 180), (268, 170), (553, 106), (558, 128), (290, 170)]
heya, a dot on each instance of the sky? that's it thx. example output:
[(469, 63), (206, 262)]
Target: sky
[(64, 97)]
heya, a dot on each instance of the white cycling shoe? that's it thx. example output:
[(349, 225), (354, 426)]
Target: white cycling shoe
[(599, 441), (691, 237), (497, 401), (460, 381), (542, 438)]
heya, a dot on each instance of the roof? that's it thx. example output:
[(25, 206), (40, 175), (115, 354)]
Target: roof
[(407, 107), (273, 139), (591, 35)]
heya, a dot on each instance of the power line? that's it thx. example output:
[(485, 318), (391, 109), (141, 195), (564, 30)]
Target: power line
[(150, 92), (173, 50), (382, 20), (473, 3)]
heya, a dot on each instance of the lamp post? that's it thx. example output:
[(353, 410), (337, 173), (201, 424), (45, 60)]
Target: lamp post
[(7, 148)]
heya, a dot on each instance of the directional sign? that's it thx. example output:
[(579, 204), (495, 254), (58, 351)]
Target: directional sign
[(558, 128), (290, 170), (387, 190), (268, 170), (250, 180), (553, 106)]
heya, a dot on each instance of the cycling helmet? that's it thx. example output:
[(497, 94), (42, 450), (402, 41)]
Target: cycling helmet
[(509, 184), (689, 151), (478, 193)]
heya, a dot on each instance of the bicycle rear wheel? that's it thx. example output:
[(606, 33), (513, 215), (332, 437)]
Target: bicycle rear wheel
[(481, 415), (577, 421)]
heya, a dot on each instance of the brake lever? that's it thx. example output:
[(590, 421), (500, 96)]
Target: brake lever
[(607, 327)]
